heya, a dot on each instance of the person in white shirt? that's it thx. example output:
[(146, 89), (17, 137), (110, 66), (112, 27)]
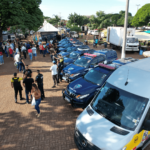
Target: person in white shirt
[(51, 41), (34, 51), (24, 50), (16, 59), (54, 73)]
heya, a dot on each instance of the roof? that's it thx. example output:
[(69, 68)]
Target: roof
[(138, 75), (48, 28)]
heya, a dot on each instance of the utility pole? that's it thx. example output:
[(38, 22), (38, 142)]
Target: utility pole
[(125, 30), (137, 6)]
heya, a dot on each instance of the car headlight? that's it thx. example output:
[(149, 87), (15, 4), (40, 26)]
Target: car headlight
[(74, 75), (124, 148), (81, 96)]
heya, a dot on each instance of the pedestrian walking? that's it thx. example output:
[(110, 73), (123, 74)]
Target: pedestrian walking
[(11, 53), (5, 49), (30, 53), (15, 83), (24, 51), (54, 73), (28, 46), (27, 83), (43, 50), (21, 65), (34, 51), (41, 47), (1, 56), (46, 39), (36, 93), (59, 68), (40, 38), (16, 59), (39, 80), (27, 70)]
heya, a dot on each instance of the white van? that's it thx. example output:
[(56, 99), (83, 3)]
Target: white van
[(118, 118)]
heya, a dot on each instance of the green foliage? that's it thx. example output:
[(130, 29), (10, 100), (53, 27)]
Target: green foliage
[(75, 28), (24, 14), (77, 20), (54, 21), (142, 17)]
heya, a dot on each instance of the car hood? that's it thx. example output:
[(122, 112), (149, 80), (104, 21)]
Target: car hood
[(68, 60), (81, 87), (96, 129), (64, 54), (73, 69)]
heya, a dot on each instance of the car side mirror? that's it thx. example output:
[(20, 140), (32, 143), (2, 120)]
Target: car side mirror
[(91, 66), (147, 125)]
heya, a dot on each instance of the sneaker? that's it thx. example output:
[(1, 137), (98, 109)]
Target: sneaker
[(38, 115), (27, 102), (21, 98), (53, 86)]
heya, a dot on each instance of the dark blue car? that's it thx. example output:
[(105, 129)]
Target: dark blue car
[(82, 65), (74, 56), (68, 51), (81, 91)]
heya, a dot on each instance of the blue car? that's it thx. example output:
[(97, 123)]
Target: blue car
[(111, 55), (82, 65), (81, 91), (74, 56), (68, 51)]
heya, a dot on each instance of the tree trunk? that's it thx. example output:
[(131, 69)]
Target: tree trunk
[(1, 36)]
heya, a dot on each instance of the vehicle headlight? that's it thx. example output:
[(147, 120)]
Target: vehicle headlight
[(81, 96), (124, 148), (74, 75)]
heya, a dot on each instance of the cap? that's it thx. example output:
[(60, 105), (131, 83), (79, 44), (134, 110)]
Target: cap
[(54, 62)]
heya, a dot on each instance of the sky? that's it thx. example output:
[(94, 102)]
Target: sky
[(87, 7)]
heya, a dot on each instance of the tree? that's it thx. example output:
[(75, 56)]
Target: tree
[(142, 17), (76, 19), (54, 21), (21, 14)]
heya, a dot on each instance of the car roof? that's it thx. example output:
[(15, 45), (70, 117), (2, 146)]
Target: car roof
[(138, 76), (125, 61)]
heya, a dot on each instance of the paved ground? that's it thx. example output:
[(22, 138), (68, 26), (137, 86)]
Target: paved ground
[(19, 127)]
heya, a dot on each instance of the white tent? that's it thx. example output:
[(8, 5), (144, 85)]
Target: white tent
[(48, 28)]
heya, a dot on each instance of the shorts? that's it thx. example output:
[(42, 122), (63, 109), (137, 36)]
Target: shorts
[(34, 55), (11, 55)]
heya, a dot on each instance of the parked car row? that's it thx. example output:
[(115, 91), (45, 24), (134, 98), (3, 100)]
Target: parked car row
[(114, 94)]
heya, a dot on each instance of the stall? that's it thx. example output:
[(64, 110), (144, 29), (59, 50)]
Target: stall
[(49, 31)]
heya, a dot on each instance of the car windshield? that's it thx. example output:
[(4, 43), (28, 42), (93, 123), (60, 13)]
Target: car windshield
[(73, 55), (98, 76), (120, 107), (132, 40), (82, 62)]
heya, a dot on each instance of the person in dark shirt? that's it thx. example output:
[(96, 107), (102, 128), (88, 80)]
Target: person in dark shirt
[(28, 46), (39, 80), (27, 83), (27, 70), (46, 39), (15, 83), (59, 68)]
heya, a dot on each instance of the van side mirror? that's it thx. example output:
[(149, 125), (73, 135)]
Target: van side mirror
[(147, 125), (91, 66)]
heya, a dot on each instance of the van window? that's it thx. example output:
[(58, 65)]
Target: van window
[(120, 107)]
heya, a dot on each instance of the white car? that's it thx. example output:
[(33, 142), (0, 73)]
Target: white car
[(89, 32), (74, 34), (118, 118), (95, 32)]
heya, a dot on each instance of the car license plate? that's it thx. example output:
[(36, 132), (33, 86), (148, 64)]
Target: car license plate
[(67, 99), (64, 78)]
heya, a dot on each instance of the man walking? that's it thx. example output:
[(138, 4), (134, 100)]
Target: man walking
[(27, 83), (27, 70), (16, 59), (24, 50), (15, 83), (54, 73), (34, 51), (39, 80), (60, 67)]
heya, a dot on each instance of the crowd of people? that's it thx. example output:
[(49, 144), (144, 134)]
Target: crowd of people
[(18, 52)]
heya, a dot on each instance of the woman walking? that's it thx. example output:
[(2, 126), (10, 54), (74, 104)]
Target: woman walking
[(30, 53), (1, 56), (36, 93)]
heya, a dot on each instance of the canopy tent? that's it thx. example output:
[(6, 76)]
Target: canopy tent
[(48, 28), (48, 31)]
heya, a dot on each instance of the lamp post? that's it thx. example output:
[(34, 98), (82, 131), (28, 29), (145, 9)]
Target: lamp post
[(125, 30)]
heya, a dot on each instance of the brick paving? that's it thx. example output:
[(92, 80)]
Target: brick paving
[(19, 127)]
